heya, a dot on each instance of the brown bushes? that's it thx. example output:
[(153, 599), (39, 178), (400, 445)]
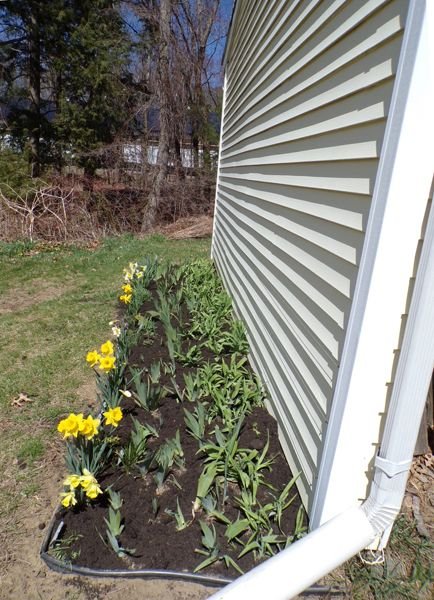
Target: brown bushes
[(72, 208)]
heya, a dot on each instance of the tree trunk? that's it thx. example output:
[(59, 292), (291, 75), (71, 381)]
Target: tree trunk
[(35, 95), (198, 101), (178, 158), (58, 148), (151, 211), (195, 146)]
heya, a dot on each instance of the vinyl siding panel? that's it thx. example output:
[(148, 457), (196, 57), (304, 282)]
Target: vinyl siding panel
[(308, 89)]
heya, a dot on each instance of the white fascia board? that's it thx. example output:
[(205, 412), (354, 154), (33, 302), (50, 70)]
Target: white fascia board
[(399, 201)]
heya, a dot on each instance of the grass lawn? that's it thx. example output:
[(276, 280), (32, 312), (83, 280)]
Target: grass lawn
[(56, 304)]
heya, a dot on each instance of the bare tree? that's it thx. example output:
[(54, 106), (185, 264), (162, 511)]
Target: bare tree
[(196, 21), (35, 92), (164, 97), (179, 39)]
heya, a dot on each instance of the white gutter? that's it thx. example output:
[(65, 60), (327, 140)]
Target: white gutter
[(305, 562)]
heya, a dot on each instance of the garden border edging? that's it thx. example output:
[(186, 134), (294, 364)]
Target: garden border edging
[(69, 569)]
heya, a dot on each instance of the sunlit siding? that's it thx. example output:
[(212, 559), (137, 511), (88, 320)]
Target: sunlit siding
[(308, 88)]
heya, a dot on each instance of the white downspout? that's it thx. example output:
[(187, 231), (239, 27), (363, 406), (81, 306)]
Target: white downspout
[(305, 562)]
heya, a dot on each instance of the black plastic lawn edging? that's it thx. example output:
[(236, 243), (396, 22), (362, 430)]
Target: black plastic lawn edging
[(66, 568)]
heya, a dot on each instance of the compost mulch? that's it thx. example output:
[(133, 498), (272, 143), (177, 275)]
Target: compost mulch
[(151, 532)]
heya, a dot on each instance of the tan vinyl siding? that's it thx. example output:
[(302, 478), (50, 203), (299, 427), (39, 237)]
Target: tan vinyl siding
[(308, 88)]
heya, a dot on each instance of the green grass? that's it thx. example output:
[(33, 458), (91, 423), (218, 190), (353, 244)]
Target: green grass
[(18, 248), (31, 449), (407, 572), (56, 304)]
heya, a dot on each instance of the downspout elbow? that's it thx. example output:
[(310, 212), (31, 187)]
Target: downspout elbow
[(387, 491)]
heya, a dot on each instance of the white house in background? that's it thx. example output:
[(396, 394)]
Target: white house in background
[(326, 165), (133, 155), (148, 128)]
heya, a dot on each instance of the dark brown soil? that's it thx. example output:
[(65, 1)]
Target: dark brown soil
[(152, 535)]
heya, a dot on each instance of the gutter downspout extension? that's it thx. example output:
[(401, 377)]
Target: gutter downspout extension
[(324, 549)]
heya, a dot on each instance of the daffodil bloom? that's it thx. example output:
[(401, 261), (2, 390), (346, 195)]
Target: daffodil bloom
[(125, 298), (92, 358), (130, 271), (72, 481), (93, 491), (107, 363), (86, 479), (134, 271), (68, 499), (89, 427), (113, 416), (71, 425), (116, 331), (107, 348), (127, 288), (90, 484)]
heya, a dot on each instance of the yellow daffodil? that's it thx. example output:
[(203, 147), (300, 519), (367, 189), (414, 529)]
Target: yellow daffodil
[(132, 268), (93, 491), (72, 481), (71, 425), (86, 479), (125, 298), (113, 416), (90, 484), (130, 271), (107, 348), (116, 331), (127, 288), (89, 427), (92, 358), (68, 499), (107, 363)]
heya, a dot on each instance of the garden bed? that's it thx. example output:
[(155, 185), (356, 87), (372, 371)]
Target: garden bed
[(182, 471)]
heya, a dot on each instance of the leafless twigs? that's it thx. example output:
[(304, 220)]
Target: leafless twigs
[(36, 204)]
